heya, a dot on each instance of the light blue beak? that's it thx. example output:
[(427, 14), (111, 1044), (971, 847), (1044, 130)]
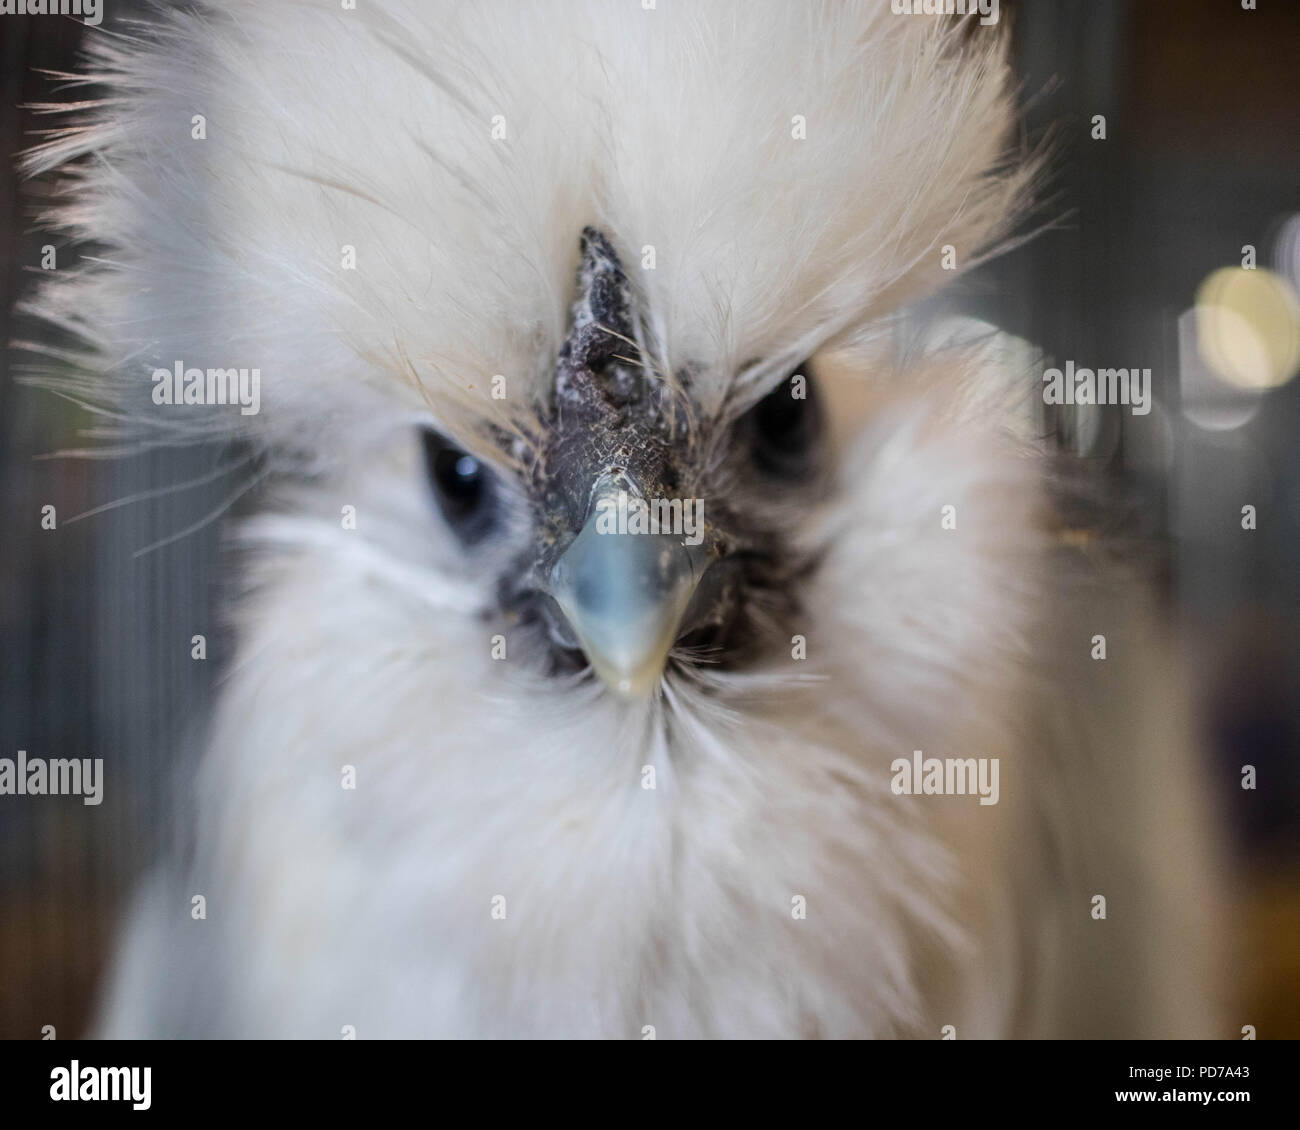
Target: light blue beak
[(625, 594)]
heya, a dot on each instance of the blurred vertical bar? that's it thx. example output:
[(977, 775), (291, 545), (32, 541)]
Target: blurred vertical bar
[(45, 602), (95, 642)]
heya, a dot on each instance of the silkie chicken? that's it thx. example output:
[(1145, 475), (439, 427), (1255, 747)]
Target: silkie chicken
[(480, 768)]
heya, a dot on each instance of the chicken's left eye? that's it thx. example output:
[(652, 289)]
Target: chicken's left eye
[(785, 426), (461, 484)]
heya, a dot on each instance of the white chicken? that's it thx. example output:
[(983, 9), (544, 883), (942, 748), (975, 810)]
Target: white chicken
[(481, 769)]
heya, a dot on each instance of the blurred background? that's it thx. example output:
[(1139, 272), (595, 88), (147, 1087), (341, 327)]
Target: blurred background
[(1142, 263)]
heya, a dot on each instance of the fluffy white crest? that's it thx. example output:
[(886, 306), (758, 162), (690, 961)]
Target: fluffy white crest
[(774, 175)]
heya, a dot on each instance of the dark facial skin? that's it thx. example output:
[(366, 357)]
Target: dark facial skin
[(609, 411)]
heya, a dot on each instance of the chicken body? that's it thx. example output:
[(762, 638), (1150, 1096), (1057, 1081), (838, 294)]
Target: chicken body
[(420, 812)]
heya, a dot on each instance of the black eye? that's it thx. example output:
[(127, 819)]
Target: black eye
[(462, 486), (786, 425)]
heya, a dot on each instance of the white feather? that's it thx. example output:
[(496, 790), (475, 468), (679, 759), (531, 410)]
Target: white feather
[(670, 129)]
